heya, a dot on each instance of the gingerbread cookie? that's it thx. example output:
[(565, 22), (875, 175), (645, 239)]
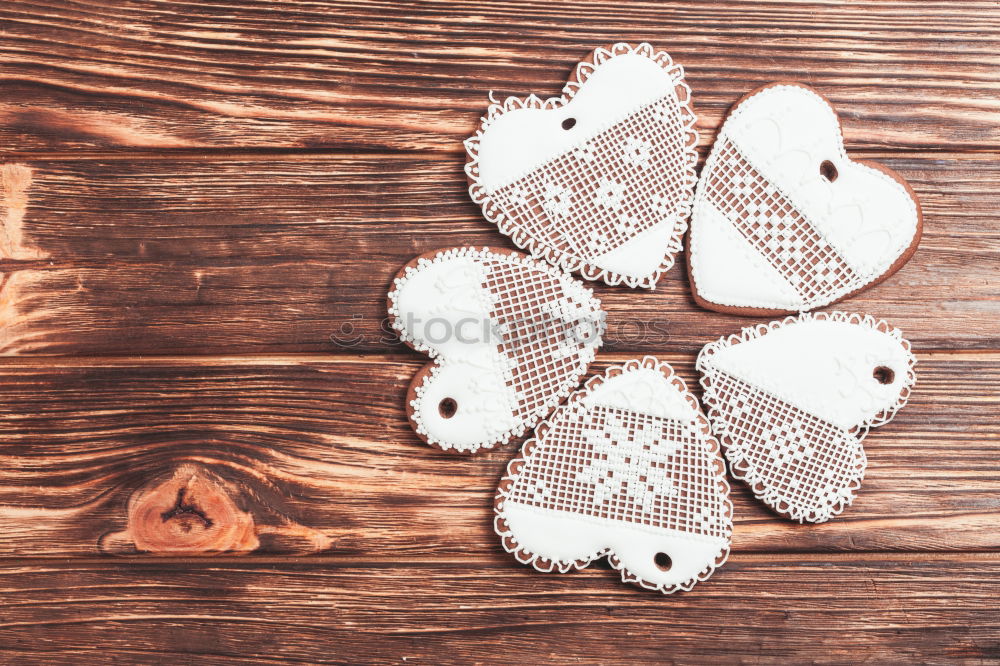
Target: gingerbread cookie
[(791, 402), (627, 468), (510, 338), (599, 180), (783, 220)]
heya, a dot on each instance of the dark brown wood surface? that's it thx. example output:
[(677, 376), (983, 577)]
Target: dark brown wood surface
[(202, 205)]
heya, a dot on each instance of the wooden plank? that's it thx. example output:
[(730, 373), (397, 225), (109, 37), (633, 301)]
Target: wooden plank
[(313, 454), (787, 608), (238, 180), (292, 254), (328, 74)]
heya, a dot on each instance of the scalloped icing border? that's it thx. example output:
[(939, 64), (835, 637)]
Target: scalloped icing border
[(582, 72), (739, 468), (540, 563), (881, 171), (429, 370)]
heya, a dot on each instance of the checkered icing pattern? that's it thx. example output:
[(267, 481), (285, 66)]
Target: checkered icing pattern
[(547, 331), (776, 229), (625, 466), (621, 182), (801, 461)]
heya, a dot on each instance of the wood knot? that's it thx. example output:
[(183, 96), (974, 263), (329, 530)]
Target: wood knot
[(191, 512), (15, 181)]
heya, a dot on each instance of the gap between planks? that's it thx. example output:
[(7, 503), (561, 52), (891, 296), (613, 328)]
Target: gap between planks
[(349, 562), (372, 358), (250, 154)]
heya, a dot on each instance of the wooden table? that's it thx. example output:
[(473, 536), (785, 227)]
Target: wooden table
[(203, 205)]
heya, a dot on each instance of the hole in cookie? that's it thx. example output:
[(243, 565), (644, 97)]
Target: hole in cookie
[(663, 561), (828, 170), (883, 375), (568, 123), (447, 408)]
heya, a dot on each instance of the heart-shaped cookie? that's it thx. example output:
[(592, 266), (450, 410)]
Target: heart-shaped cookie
[(783, 220), (792, 400), (627, 468), (510, 338), (599, 180)]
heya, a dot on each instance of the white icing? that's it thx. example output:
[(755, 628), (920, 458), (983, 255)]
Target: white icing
[(445, 307), (433, 301), (644, 391), (485, 404), (787, 128), (559, 536), (523, 139), (786, 132), (636, 256), (824, 367), (869, 220), (725, 270)]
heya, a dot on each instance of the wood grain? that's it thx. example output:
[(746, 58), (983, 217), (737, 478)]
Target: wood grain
[(900, 608), (354, 75), (201, 206), (317, 451), (133, 256)]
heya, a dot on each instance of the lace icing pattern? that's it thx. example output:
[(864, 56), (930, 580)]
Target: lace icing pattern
[(625, 466), (636, 173), (542, 347), (617, 464), (773, 226), (798, 464)]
